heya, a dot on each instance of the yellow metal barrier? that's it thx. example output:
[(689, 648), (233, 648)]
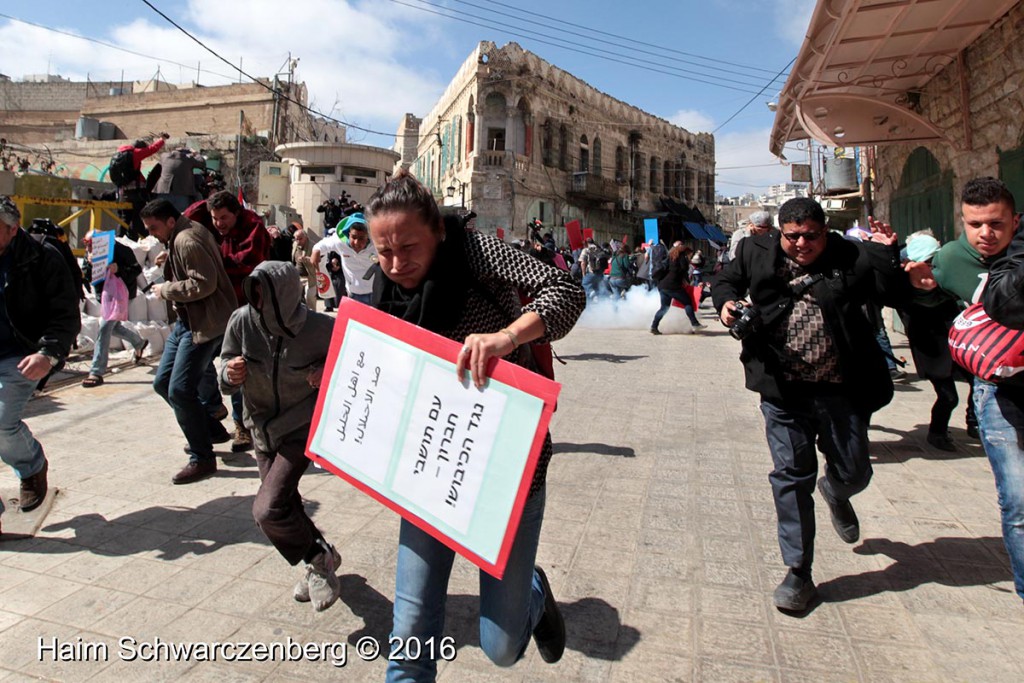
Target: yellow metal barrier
[(94, 207)]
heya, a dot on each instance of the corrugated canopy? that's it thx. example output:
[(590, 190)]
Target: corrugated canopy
[(864, 63)]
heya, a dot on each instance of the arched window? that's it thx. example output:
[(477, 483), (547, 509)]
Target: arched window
[(652, 182), (620, 165), (596, 157), (584, 154), (638, 169), (667, 185), (524, 128), (494, 107)]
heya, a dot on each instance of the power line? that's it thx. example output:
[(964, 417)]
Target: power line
[(758, 94), (626, 38), (283, 96), (584, 51), (660, 54), (110, 45)]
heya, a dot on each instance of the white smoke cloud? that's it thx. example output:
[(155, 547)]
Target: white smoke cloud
[(635, 312)]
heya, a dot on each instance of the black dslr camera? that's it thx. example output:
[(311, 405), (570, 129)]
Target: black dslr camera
[(748, 323)]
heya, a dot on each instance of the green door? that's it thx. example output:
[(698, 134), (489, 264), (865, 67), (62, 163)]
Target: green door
[(924, 198), (1011, 172)]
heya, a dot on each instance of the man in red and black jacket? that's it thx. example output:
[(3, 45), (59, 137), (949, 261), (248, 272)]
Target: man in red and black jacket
[(244, 244), (135, 191)]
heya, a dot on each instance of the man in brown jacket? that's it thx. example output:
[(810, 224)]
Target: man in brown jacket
[(199, 289)]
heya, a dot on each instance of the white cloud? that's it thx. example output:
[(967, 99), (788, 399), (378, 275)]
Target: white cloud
[(360, 55), (792, 18), (693, 120)]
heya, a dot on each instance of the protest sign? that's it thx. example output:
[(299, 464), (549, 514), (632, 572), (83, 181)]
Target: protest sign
[(324, 286), (572, 232), (102, 254), (651, 230), (393, 420), (588, 233)]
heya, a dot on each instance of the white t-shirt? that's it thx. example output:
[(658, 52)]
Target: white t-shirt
[(354, 264)]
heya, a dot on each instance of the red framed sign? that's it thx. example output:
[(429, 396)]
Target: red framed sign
[(393, 420)]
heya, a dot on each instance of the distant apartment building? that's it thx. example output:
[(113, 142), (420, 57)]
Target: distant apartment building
[(515, 138)]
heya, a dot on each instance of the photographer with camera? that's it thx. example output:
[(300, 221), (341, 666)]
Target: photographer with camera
[(810, 352)]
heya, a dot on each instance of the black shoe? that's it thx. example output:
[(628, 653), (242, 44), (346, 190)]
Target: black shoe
[(941, 441), (654, 330), (33, 490), (844, 519), (218, 434), (794, 594), (972, 431), (195, 470), (220, 413), (550, 631)]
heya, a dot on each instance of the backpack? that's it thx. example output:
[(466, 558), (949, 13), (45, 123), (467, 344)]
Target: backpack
[(597, 260), (659, 262), (122, 167)]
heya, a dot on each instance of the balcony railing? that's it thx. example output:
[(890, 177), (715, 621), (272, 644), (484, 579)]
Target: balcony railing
[(585, 185)]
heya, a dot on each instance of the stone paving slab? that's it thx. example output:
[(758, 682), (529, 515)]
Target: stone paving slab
[(658, 539)]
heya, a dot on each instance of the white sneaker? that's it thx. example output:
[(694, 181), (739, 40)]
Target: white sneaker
[(319, 583)]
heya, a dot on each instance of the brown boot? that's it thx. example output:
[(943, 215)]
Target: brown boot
[(242, 440), (33, 489)]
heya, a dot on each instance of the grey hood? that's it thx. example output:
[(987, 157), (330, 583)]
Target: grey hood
[(281, 311)]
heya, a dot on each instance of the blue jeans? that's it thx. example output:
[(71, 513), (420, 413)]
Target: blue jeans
[(177, 381), (882, 337), (595, 285), (18, 448), (619, 286), (100, 353), (792, 427), (666, 302), (509, 608), (362, 298), (1001, 425)]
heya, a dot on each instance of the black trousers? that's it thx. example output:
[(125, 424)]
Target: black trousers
[(278, 508)]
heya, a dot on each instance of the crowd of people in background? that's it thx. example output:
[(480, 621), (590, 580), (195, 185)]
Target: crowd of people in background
[(805, 302)]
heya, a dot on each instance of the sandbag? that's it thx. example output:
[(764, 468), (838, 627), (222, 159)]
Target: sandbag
[(92, 307), (138, 310), (156, 308), (89, 332)]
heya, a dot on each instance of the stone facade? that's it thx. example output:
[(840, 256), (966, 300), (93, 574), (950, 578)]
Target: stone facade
[(528, 140), (994, 78)]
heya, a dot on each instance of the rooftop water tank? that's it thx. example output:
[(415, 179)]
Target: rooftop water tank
[(87, 128), (107, 130), (841, 175)]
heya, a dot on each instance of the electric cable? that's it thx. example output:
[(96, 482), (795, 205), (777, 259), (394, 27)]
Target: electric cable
[(756, 95)]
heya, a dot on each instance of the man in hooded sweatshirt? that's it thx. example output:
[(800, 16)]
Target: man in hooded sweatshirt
[(275, 348)]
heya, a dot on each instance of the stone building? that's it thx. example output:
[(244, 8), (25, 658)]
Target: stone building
[(321, 170), (515, 138), (933, 90)]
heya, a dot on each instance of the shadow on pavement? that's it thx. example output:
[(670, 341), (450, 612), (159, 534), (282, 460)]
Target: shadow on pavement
[(593, 626), (172, 531), (606, 357), (913, 445), (596, 448), (969, 562)]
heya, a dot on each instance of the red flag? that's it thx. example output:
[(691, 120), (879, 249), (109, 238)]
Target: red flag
[(501, 233), (572, 231), (241, 198), (694, 295)]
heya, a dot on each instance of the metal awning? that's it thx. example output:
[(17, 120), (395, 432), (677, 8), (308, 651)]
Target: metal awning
[(861, 69)]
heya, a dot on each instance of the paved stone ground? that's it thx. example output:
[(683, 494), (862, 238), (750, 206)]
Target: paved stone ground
[(658, 539)]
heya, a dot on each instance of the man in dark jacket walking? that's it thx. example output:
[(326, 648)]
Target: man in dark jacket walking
[(39, 320), (276, 348), (814, 361)]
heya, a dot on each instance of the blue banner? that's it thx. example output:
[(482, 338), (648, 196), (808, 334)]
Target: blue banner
[(651, 230)]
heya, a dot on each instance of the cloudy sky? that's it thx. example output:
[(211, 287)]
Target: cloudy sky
[(694, 62)]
